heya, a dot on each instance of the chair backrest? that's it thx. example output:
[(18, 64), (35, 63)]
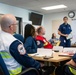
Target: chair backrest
[(66, 70), (3, 67), (58, 43)]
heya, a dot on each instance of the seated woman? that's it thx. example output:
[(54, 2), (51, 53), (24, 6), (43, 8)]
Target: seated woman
[(41, 40), (29, 37), (53, 39)]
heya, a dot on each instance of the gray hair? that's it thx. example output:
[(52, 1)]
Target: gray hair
[(6, 22)]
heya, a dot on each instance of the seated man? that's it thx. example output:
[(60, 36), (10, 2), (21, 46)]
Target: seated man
[(13, 51), (41, 41), (69, 68)]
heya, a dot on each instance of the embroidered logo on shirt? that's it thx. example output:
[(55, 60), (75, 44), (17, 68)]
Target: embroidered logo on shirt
[(21, 49), (38, 42)]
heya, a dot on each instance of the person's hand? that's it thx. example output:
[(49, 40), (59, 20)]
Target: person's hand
[(68, 63), (71, 62), (66, 35), (42, 64)]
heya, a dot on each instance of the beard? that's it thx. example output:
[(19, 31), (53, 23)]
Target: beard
[(43, 33)]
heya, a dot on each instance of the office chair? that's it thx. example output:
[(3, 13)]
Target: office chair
[(70, 68), (58, 43), (65, 70), (61, 70), (4, 70)]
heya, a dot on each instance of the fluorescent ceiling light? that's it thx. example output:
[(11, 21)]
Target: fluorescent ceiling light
[(54, 7)]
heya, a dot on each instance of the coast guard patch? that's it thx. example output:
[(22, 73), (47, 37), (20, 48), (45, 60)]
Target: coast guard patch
[(21, 49)]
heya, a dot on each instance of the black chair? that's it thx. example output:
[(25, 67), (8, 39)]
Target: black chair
[(64, 70), (4, 70), (68, 72)]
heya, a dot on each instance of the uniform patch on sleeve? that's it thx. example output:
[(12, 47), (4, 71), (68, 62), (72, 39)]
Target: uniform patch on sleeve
[(38, 42), (21, 49)]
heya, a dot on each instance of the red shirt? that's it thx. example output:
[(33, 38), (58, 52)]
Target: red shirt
[(44, 41)]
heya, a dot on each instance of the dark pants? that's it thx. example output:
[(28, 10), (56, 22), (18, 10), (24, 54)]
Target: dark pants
[(46, 70), (65, 42)]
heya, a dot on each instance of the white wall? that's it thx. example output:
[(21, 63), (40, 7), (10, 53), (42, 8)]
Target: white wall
[(48, 18), (19, 12), (4, 9)]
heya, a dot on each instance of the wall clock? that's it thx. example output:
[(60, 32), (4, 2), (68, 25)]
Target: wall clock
[(71, 14)]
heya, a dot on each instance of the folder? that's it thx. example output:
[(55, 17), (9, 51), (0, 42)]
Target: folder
[(70, 36)]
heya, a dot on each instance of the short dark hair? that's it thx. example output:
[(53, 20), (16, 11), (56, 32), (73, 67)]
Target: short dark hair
[(39, 29), (65, 17), (29, 30)]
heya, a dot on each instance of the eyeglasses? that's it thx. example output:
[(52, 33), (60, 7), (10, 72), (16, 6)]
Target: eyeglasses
[(14, 24)]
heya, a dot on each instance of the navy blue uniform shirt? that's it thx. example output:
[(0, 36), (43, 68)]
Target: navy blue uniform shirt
[(22, 59), (65, 29), (19, 37), (30, 45)]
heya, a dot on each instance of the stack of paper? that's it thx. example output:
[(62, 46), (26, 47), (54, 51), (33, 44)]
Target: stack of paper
[(58, 48), (68, 52), (71, 50), (44, 52), (41, 52)]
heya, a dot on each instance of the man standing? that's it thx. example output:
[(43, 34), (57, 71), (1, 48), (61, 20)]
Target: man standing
[(64, 30)]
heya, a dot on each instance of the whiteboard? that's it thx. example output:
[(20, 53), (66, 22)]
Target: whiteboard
[(73, 26)]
